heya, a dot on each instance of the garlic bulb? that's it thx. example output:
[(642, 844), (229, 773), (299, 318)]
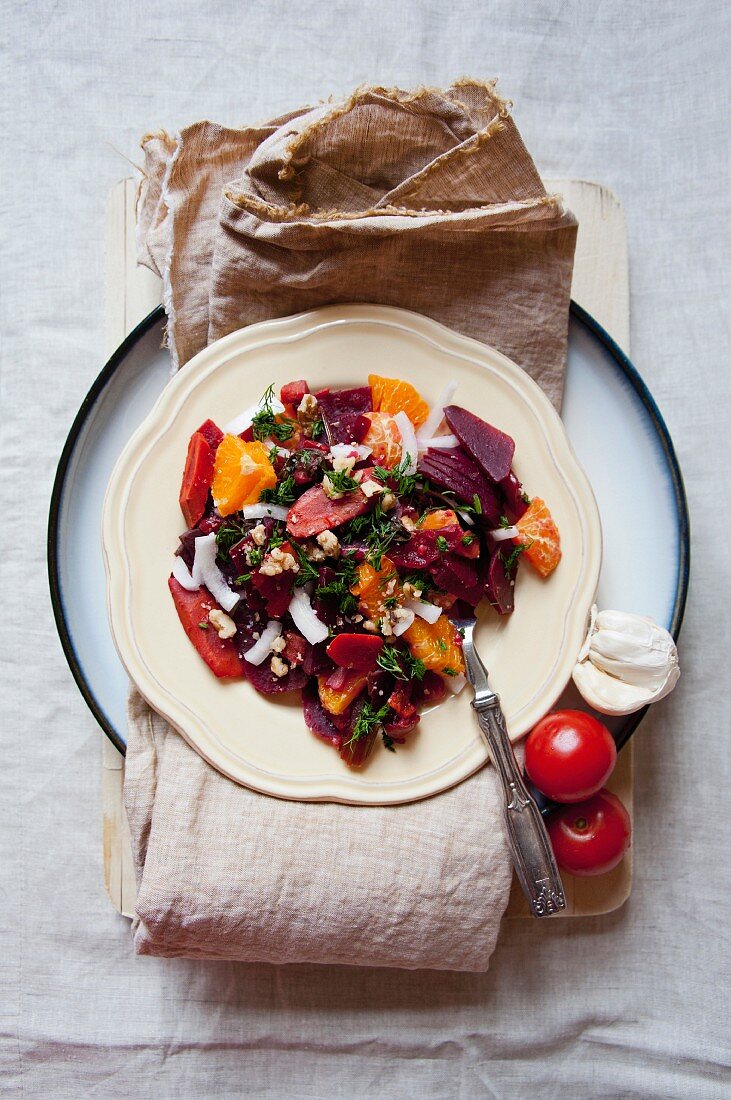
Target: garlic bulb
[(626, 662)]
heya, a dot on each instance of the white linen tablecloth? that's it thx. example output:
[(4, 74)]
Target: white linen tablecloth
[(633, 1004)]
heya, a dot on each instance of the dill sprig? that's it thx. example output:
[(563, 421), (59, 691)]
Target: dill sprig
[(265, 425), (401, 663), (511, 559), (283, 493), (397, 479), (341, 482), (368, 720)]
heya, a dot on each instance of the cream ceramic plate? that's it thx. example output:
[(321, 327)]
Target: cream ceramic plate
[(262, 741)]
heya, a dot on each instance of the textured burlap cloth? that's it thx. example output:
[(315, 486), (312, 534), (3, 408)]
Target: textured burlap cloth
[(427, 200)]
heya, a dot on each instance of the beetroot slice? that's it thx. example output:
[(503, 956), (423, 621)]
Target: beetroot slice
[(492, 449), (342, 409), (501, 584), (457, 472), (316, 717), (430, 689), (355, 651), (263, 679), (459, 577), (193, 608), (316, 661), (513, 493), (212, 433), (277, 591)]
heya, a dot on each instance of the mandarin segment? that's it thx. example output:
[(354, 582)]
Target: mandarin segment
[(539, 534), (384, 439), (437, 644), (337, 700), (373, 586), (392, 395), (242, 471)]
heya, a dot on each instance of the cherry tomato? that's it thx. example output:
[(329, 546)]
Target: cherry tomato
[(569, 755), (590, 838)]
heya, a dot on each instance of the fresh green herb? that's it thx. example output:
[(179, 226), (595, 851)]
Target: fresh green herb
[(368, 720), (441, 645), (477, 504), (468, 539), (307, 572), (391, 601), (283, 493), (460, 631), (416, 580), (266, 426), (341, 482), (277, 536), (227, 535), (339, 587), (203, 624), (504, 521), (450, 671), (442, 543), (400, 663), (388, 741), (317, 429), (510, 559), (255, 556), (243, 579), (397, 479), (524, 497)]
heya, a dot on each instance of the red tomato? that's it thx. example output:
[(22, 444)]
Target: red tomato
[(590, 838), (569, 755)]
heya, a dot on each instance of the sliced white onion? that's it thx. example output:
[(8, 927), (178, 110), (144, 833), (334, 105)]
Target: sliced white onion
[(502, 534), (425, 610), (183, 575), (305, 618), (435, 417), (403, 624), (455, 683), (466, 518), (350, 450), (409, 446), (243, 421), (437, 441), (262, 647), (205, 571), (265, 511)]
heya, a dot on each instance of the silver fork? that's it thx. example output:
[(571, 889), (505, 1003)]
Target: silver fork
[(528, 840)]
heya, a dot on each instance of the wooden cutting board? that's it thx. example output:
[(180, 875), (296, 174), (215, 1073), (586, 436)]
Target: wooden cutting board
[(600, 285)]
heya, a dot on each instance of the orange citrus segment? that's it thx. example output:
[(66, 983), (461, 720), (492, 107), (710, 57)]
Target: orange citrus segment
[(241, 472), (337, 700), (373, 586), (539, 534), (437, 644), (391, 395), (384, 439), (441, 517)]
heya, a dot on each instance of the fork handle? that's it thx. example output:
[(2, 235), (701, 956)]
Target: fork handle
[(528, 840)]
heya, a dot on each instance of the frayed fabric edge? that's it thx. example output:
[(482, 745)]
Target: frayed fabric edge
[(167, 287)]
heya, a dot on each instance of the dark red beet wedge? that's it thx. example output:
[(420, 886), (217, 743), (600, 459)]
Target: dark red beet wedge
[(263, 679), (500, 588), (355, 651), (492, 449)]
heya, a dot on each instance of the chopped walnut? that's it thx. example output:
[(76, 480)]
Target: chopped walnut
[(329, 489), (388, 501), (343, 463), (411, 592), (313, 553), (371, 487), (285, 559), (259, 534), (329, 543), (271, 568), (307, 411), (408, 524), (278, 666), (279, 644), (224, 624), (370, 626)]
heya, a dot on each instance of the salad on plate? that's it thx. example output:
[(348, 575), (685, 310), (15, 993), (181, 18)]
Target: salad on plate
[(332, 534)]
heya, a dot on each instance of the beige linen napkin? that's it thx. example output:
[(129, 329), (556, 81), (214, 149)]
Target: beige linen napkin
[(426, 200)]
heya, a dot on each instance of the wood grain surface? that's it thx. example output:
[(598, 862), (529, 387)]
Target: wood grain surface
[(600, 285)]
